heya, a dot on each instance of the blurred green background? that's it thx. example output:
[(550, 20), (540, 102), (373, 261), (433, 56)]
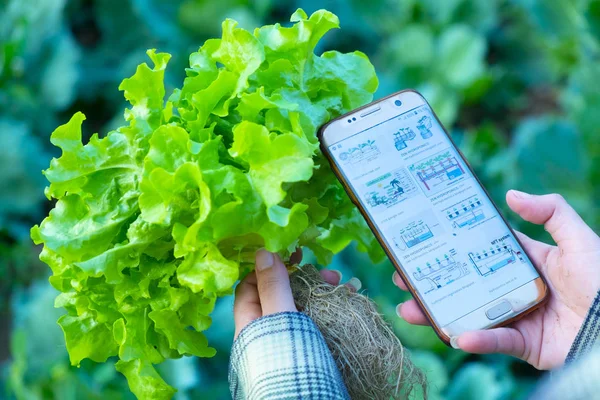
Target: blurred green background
[(516, 81)]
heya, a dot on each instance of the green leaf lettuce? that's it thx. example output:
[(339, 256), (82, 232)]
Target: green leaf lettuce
[(157, 219)]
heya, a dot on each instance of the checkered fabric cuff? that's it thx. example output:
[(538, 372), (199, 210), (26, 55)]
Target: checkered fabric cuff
[(589, 334), (283, 356)]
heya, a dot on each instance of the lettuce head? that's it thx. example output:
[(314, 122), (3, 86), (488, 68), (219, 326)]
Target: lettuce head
[(157, 219)]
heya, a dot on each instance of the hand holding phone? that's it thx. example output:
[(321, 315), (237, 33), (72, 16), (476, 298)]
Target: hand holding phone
[(447, 240), (544, 337), (538, 328)]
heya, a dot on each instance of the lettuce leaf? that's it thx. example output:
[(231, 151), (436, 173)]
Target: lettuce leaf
[(157, 219)]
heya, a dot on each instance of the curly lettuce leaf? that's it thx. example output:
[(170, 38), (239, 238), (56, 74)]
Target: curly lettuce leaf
[(144, 381), (157, 219)]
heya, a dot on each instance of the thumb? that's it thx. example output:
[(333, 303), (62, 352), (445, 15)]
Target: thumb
[(273, 284), (561, 221), (499, 340)]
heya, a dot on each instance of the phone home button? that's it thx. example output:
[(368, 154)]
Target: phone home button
[(498, 309)]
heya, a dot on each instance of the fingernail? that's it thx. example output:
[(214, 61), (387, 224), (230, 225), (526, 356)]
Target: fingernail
[(355, 283), (520, 195), (264, 260), (338, 273), (454, 342), (398, 307)]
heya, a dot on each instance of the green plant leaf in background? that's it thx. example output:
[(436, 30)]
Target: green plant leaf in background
[(460, 55), (22, 157), (435, 371), (550, 152), (477, 381)]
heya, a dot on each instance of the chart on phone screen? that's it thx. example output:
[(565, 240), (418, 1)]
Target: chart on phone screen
[(388, 189), (469, 212), (501, 253), (419, 228), (360, 153), (444, 270), (438, 171), (406, 134)]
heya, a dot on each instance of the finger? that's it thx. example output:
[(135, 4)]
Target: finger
[(273, 284), (537, 251), (500, 340), (354, 284), (560, 220), (331, 276), (246, 306), (398, 281), (296, 257), (411, 313)]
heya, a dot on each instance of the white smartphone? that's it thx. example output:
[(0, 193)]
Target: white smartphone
[(446, 238)]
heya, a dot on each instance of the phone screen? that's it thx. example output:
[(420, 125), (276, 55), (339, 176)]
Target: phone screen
[(436, 219)]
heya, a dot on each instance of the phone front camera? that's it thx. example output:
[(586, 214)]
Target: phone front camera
[(398, 103)]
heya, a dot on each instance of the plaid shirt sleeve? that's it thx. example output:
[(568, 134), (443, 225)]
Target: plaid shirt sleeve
[(283, 356), (589, 333)]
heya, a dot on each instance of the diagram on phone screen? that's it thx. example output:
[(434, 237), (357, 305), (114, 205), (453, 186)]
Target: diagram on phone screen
[(501, 253), (442, 271), (363, 152), (424, 127), (389, 189), (402, 136), (438, 171), (466, 213), (421, 228)]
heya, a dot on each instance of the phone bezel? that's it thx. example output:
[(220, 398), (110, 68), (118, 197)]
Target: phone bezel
[(540, 283)]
